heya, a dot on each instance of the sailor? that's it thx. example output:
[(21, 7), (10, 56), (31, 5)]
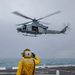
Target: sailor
[(27, 64)]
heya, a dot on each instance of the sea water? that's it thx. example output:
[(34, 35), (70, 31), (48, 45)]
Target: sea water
[(13, 62)]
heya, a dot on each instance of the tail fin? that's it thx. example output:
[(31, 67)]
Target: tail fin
[(64, 30)]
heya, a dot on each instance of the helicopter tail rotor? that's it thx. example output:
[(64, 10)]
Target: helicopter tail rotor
[(65, 28), (68, 24)]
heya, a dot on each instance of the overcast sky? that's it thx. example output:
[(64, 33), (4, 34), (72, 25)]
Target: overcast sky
[(45, 46)]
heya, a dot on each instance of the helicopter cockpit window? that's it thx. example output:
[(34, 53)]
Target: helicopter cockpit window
[(24, 27), (34, 28)]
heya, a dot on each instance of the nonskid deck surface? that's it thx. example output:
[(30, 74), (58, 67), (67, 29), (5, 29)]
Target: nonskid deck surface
[(67, 70)]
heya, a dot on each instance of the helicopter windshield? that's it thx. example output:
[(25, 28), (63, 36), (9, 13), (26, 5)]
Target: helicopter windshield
[(24, 27)]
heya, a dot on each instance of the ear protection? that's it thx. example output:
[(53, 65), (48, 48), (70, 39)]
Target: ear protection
[(27, 53)]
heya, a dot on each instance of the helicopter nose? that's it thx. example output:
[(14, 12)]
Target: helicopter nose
[(18, 29)]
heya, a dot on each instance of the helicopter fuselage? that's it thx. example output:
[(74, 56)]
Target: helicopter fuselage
[(33, 28)]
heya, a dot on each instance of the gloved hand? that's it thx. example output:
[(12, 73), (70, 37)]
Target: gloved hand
[(33, 55)]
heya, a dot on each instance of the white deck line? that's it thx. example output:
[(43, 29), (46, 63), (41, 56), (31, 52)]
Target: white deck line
[(14, 68), (4, 68), (55, 66)]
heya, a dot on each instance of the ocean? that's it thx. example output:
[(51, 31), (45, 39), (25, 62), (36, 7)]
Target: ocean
[(13, 62)]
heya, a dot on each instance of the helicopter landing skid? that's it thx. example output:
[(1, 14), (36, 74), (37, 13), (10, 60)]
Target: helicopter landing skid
[(30, 35)]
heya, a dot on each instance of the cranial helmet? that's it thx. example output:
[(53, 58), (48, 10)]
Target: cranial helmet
[(27, 53)]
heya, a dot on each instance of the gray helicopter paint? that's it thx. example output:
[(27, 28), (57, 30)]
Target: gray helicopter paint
[(41, 29)]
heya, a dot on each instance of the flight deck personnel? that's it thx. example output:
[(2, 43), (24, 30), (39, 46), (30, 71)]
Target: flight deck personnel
[(27, 64)]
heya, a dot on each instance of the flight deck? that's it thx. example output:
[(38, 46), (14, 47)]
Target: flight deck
[(43, 70)]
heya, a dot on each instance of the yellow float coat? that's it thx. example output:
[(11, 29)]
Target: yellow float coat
[(26, 66)]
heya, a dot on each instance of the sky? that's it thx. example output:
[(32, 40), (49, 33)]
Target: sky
[(12, 43)]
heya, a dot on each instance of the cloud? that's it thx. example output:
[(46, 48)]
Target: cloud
[(50, 46)]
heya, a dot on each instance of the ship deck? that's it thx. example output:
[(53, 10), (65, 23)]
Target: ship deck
[(43, 70)]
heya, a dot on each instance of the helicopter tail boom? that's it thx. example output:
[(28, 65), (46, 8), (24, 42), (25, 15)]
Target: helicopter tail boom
[(56, 32), (52, 32)]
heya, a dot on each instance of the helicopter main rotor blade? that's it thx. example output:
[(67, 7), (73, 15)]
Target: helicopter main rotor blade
[(44, 23), (17, 13), (50, 15), (24, 23)]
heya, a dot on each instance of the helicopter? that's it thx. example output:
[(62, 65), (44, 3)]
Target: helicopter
[(34, 27)]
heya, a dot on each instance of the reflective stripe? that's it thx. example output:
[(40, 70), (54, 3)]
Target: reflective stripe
[(28, 60)]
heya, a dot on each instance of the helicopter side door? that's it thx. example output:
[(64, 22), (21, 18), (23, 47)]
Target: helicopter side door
[(35, 28), (41, 30)]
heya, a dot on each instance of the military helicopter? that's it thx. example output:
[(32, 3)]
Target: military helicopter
[(34, 27)]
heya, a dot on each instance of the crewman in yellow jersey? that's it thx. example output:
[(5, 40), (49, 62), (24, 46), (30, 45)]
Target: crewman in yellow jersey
[(27, 64)]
